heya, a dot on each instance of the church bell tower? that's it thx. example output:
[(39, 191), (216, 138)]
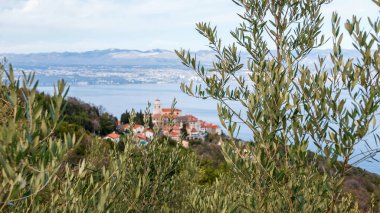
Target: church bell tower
[(157, 107)]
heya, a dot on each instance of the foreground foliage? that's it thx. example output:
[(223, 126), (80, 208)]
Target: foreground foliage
[(46, 166), (37, 174), (289, 106), (89, 174)]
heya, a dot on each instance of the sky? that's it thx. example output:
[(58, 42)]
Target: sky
[(29, 26)]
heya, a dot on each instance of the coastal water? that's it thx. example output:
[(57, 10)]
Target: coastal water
[(118, 98)]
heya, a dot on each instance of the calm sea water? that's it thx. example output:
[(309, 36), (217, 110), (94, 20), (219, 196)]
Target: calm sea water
[(118, 98)]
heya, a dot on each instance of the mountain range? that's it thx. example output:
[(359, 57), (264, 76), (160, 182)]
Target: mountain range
[(122, 57), (114, 57)]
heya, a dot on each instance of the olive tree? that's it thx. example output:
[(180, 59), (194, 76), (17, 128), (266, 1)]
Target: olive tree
[(30, 154), (289, 106)]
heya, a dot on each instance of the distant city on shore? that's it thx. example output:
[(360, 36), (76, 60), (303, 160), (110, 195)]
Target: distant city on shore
[(118, 66)]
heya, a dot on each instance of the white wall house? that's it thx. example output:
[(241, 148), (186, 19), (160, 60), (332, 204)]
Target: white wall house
[(113, 137), (149, 134), (137, 129)]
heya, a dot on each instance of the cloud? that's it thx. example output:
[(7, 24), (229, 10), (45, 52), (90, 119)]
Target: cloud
[(132, 23), (58, 25), (96, 14)]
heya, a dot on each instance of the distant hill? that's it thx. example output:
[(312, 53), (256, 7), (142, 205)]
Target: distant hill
[(123, 57), (114, 57)]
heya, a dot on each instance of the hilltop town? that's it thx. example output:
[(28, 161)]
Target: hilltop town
[(171, 123)]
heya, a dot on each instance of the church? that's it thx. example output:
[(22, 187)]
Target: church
[(195, 128), (160, 115)]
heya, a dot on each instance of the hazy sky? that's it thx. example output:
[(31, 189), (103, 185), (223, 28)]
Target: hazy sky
[(78, 25)]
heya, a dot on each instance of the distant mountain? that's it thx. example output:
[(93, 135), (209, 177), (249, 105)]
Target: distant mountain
[(123, 57), (115, 57)]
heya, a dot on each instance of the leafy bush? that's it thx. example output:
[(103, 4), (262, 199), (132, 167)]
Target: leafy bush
[(30, 154)]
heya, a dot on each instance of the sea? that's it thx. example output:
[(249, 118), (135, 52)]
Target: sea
[(116, 99)]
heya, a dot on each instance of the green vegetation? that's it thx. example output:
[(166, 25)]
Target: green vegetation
[(184, 133), (53, 158), (81, 118), (289, 106), (139, 118)]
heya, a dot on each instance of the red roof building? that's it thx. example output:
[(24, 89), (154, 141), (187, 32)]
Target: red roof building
[(141, 137), (174, 134), (167, 116), (113, 137), (169, 110), (209, 126), (188, 119), (177, 128)]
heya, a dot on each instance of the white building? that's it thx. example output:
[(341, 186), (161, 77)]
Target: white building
[(149, 134), (163, 114), (210, 128), (137, 128), (113, 137)]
